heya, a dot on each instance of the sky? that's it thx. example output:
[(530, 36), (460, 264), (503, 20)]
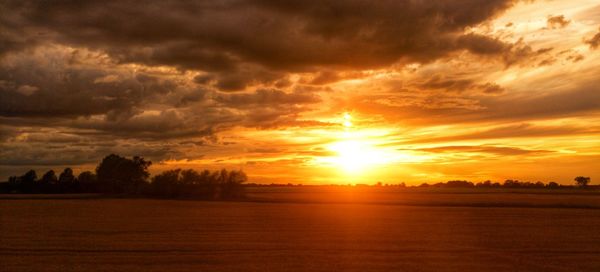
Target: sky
[(312, 92)]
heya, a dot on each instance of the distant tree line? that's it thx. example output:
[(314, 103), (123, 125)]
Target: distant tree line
[(582, 182), (120, 175)]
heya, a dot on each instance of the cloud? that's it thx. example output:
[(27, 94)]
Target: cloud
[(497, 150), (267, 97), (511, 131), (438, 82), (325, 77), (558, 21), (594, 42), (482, 45), (415, 105), (196, 79), (44, 83), (165, 124), (221, 36)]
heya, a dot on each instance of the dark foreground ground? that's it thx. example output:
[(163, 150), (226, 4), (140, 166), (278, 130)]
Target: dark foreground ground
[(304, 229)]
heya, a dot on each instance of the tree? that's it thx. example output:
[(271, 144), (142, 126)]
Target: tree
[(88, 182), (117, 174), (27, 182), (87, 177), (487, 183), (29, 177), (582, 181), (48, 181), (231, 186), (189, 177), (205, 185), (66, 181), (49, 178), (13, 184), (458, 184), (66, 177), (166, 184)]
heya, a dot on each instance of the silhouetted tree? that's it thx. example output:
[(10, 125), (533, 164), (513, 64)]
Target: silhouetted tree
[(48, 182), (29, 176), (582, 181), (486, 184), (13, 184), (66, 181), (509, 183), (231, 185), (66, 176), (205, 185), (458, 184), (117, 174), (27, 182), (166, 184), (552, 185), (88, 183), (49, 177), (197, 184), (190, 177)]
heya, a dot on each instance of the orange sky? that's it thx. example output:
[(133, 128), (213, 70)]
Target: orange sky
[(306, 92)]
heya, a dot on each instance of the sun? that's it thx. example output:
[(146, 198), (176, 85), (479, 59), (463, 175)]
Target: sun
[(353, 155), (355, 151)]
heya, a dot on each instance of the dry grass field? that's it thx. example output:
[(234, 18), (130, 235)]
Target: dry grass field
[(307, 229)]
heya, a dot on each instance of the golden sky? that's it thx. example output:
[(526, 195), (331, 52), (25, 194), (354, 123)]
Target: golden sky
[(306, 92)]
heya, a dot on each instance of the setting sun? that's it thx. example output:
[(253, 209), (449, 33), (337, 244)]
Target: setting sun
[(355, 151), (352, 155)]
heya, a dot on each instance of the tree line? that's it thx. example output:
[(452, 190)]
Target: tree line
[(580, 181), (120, 175)]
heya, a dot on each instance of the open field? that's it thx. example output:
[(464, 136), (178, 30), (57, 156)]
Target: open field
[(307, 229)]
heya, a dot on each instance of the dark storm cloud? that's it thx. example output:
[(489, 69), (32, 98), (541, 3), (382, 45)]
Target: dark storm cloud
[(241, 79), (267, 97), (220, 35), (270, 108), (163, 125), (38, 152), (40, 86)]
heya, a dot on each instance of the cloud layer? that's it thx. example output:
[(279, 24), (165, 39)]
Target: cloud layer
[(204, 82)]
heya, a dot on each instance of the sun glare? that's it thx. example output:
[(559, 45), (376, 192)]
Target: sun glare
[(355, 156), (347, 120), (355, 151)]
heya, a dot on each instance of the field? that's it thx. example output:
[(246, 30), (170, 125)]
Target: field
[(307, 229)]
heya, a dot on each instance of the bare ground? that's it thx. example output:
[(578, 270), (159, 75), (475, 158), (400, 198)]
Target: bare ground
[(292, 229)]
